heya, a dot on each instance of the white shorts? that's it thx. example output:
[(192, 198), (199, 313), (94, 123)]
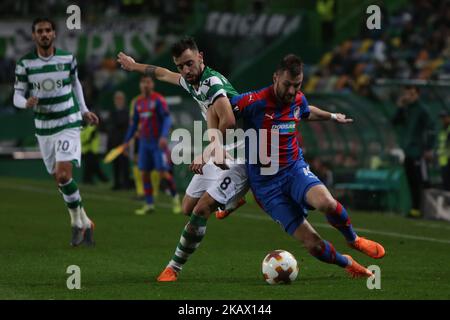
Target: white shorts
[(225, 186), (62, 146)]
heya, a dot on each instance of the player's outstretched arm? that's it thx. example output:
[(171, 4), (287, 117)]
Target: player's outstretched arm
[(159, 73), (317, 114)]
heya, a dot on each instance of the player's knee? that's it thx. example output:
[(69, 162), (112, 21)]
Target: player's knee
[(315, 247), (313, 244), (327, 204), (187, 205), (62, 176), (202, 209), (186, 209)]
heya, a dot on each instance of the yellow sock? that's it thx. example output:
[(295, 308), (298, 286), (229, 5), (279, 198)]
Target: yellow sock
[(155, 177), (138, 181)]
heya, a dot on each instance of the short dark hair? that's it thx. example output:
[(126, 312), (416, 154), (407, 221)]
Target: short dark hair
[(412, 86), (39, 20), (292, 64), (183, 44), (144, 76)]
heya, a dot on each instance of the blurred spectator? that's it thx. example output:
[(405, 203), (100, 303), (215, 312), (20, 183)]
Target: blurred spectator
[(117, 129), (350, 161), (444, 150), (339, 159), (416, 140), (90, 144), (413, 43), (322, 171)]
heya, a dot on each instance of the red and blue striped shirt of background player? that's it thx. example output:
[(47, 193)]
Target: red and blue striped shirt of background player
[(262, 110), (151, 116)]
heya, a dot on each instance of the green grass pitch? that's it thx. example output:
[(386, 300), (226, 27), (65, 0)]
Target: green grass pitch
[(132, 250)]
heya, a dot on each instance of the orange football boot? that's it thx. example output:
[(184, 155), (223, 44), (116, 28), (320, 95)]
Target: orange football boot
[(369, 247), (356, 270), (222, 214), (168, 275)]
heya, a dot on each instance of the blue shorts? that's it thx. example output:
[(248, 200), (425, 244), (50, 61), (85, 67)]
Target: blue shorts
[(283, 196), (151, 157)]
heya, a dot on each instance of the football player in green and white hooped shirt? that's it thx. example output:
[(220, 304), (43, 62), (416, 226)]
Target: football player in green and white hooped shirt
[(211, 186), (48, 77)]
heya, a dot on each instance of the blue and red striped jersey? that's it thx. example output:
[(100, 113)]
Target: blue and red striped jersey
[(262, 110), (151, 117)]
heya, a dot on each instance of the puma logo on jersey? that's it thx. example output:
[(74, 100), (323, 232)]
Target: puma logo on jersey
[(270, 116), (250, 98)]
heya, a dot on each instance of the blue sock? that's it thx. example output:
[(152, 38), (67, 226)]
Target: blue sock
[(340, 220), (329, 255), (148, 190)]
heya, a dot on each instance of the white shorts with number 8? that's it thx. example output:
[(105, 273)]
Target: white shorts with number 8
[(225, 186)]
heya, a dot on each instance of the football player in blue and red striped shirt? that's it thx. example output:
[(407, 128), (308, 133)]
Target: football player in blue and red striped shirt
[(291, 189), (151, 117)]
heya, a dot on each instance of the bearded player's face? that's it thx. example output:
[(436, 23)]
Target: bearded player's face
[(189, 64), (287, 86), (44, 34)]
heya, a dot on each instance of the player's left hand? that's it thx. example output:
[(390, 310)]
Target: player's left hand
[(342, 118), (126, 62), (90, 118), (163, 143), (197, 165)]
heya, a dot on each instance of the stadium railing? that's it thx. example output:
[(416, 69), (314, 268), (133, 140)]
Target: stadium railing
[(381, 189)]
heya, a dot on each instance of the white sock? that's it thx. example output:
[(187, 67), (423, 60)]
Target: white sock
[(75, 217), (84, 219)]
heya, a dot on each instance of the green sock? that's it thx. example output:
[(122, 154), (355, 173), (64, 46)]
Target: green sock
[(190, 239), (72, 198)]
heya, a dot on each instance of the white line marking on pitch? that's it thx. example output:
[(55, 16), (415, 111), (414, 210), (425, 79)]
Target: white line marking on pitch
[(243, 215), (384, 233)]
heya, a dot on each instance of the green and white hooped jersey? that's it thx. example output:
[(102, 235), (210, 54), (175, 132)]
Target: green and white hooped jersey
[(212, 85), (51, 82)]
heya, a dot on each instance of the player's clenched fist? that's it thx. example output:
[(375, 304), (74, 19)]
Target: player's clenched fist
[(31, 102), (91, 118), (125, 61)]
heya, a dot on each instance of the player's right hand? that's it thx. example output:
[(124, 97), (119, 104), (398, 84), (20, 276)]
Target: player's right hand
[(220, 155), (197, 165), (126, 62), (91, 118), (31, 102)]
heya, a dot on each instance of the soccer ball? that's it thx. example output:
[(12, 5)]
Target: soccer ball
[(279, 267)]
